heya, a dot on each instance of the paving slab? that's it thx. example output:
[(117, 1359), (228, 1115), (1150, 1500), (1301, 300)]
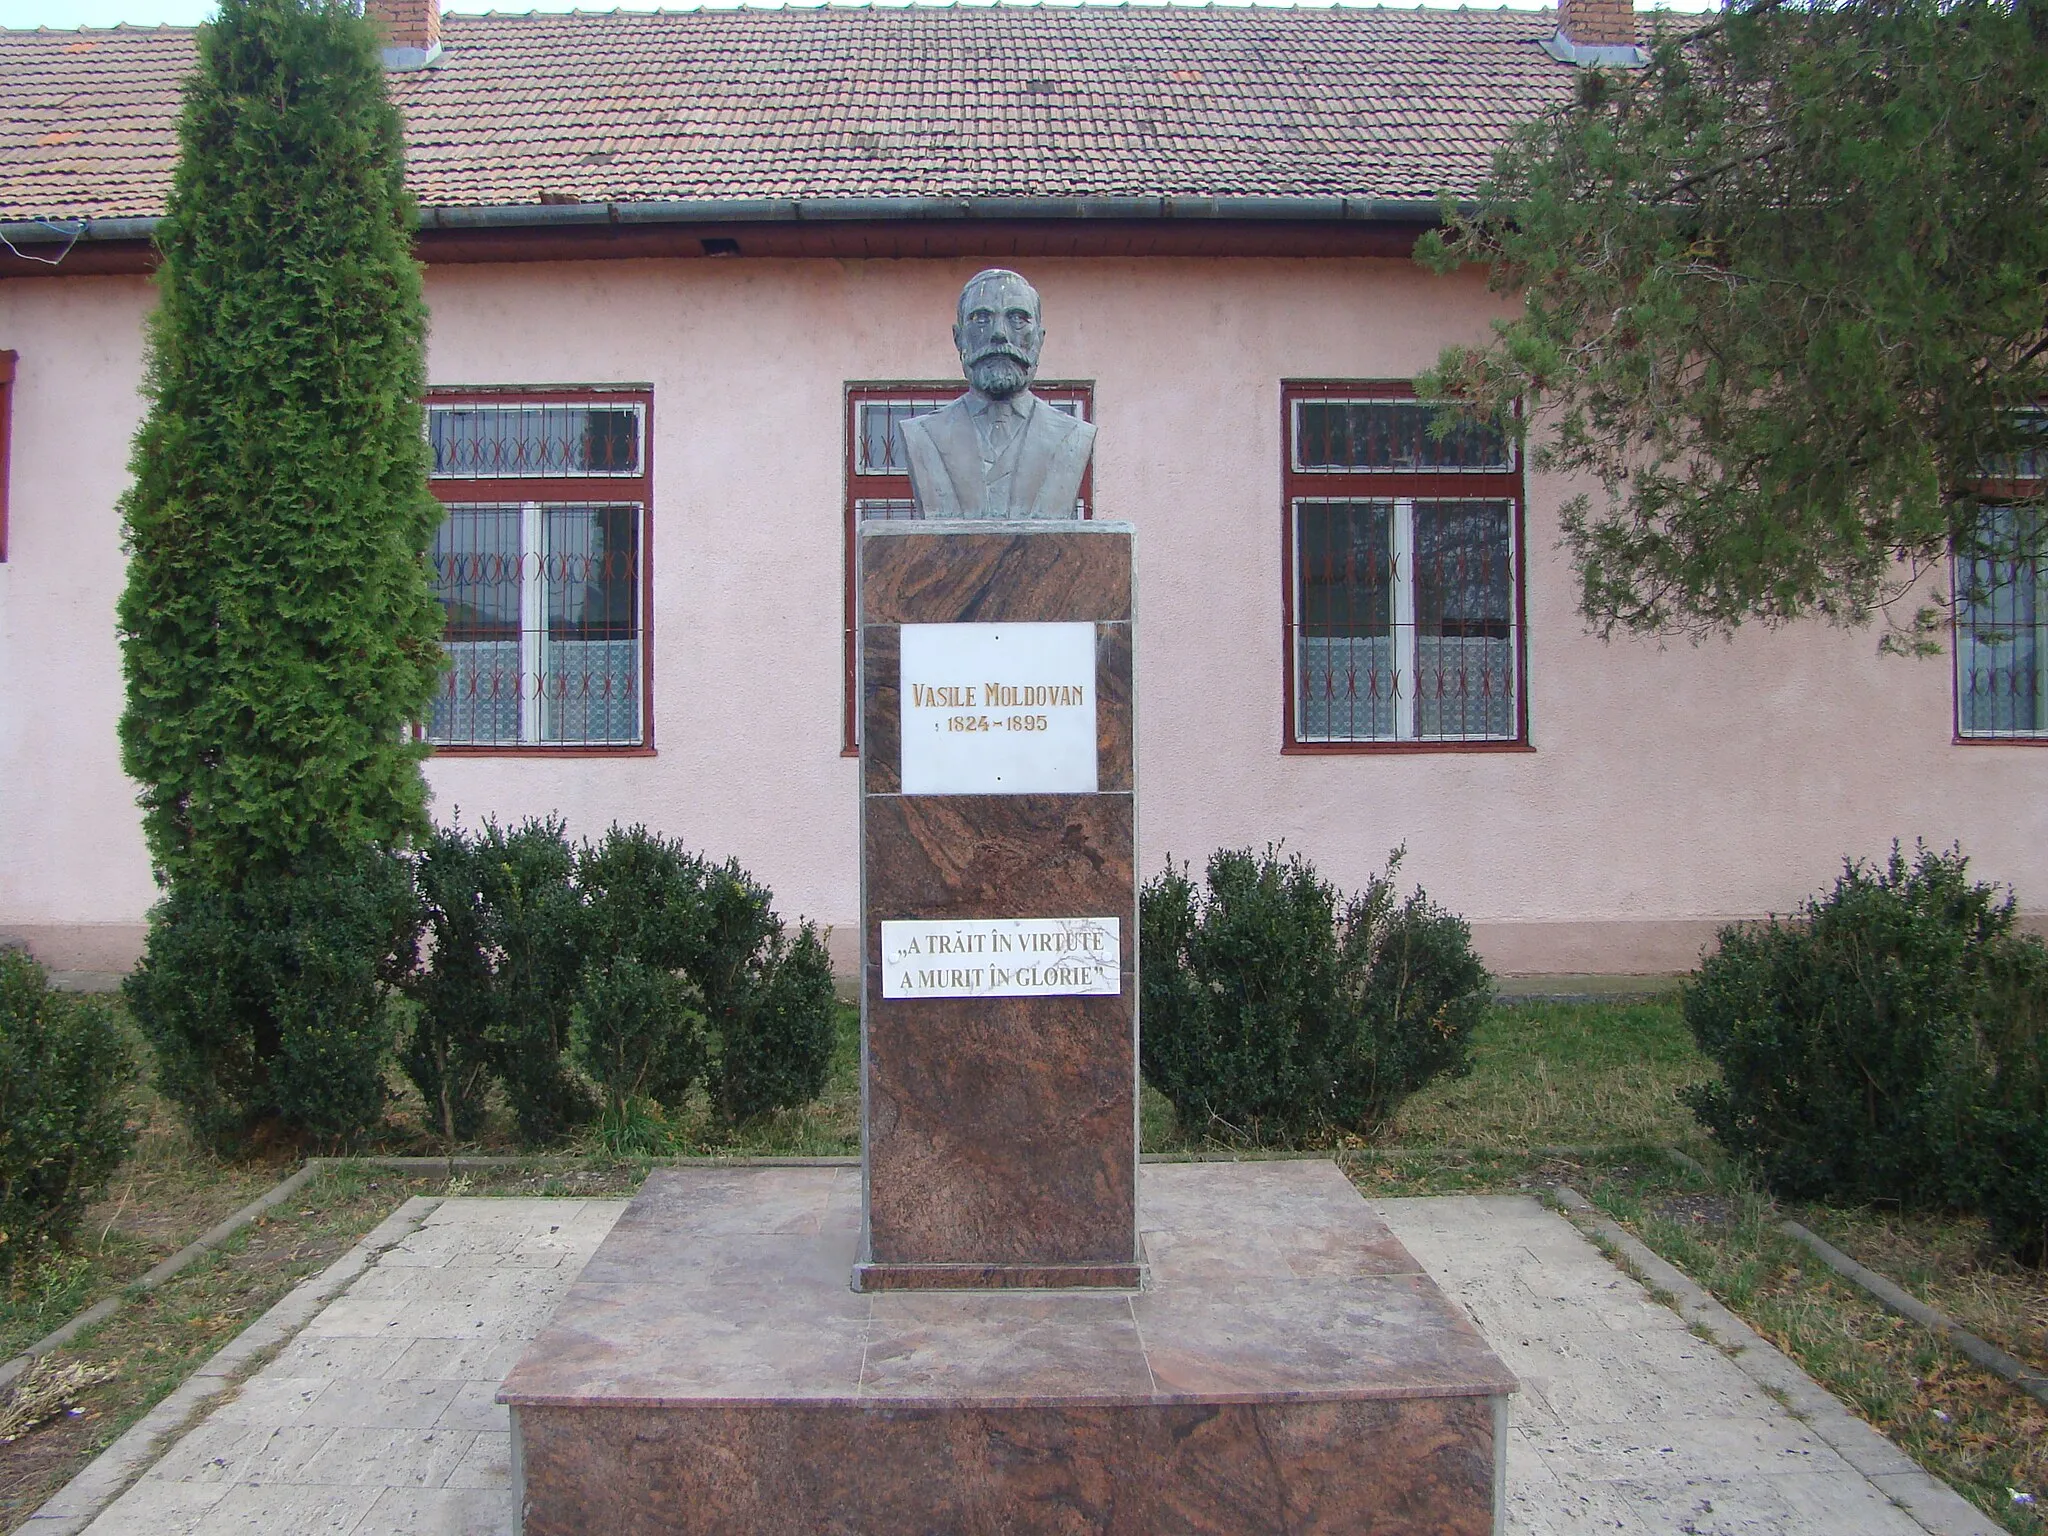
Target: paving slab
[(374, 1415)]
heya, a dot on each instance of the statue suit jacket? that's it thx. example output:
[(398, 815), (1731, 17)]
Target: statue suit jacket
[(1041, 469)]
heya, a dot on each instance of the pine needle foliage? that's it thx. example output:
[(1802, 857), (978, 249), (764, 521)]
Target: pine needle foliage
[(1783, 300), (278, 630)]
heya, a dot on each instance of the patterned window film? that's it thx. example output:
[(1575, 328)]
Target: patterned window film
[(541, 566), (878, 476), (1404, 595)]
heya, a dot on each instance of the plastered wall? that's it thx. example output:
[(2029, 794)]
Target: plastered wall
[(1671, 787)]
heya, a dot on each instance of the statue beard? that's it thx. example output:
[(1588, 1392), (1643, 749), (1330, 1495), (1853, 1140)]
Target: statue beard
[(999, 375)]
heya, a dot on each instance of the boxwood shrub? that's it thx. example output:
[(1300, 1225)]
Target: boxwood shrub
[(274, 1001), (65, 1072), (1275, 1009), (1887, 1044)]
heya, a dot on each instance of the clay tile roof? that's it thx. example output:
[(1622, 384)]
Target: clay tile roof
[(732, 105)]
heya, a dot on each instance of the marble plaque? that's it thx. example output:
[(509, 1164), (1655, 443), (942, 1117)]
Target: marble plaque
[(997, 709), (1002, 957)]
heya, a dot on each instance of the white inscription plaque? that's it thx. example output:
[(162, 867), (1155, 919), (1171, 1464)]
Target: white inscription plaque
[(1002, 957), (998, 709)]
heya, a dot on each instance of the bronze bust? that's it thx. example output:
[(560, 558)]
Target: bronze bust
[(998, 451)]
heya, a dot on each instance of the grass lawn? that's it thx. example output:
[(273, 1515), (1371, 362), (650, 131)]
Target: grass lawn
[(1584, 1094)]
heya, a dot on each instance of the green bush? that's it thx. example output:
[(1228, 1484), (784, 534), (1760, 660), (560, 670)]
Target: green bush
[(1274, 1010), (64, 1077), (1888, 1044), (448, 1054), (637, 1033), (2002, 1165), (497, 990), (274, 1001), (657, 924), (765, 1000), (775, 1037), (1833, 1031)]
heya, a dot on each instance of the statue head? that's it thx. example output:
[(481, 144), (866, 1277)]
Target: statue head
[(998, 333)]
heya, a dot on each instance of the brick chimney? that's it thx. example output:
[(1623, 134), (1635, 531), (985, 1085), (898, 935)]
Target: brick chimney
[(1592, 32), (412, 30)]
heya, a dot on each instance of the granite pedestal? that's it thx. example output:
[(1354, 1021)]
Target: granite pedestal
[(1289, 1368), (1000, 1134)]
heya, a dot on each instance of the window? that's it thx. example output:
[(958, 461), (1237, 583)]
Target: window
[(2002, 631), (1404, 593), (7, 361), (878, 475), (542, 567)]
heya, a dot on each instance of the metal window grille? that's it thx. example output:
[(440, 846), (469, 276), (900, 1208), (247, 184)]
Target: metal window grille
[(1336, 436), (1405, 600), (2001, 649), (878, 474), (543, 582), (540, 441)]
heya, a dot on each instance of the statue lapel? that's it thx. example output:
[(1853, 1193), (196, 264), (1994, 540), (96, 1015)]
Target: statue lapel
[(952, 431), (1033, 452)]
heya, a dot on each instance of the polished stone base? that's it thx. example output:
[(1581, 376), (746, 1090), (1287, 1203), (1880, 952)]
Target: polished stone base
[(1288, 1368)]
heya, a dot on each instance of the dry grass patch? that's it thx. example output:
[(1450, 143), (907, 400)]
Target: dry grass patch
[(1953, 1266), (1565, 1074)]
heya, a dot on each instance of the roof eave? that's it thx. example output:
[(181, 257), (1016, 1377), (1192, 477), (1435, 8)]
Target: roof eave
[(1347, 210), (931, 209)]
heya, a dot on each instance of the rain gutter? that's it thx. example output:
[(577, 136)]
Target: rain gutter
[(1319, 210)]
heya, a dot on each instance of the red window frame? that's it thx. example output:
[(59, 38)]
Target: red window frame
[(574, 489), (870, 487), (1381, 485), (7, 365)]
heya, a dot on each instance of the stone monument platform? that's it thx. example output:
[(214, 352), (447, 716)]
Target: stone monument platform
[(1288, 1368)]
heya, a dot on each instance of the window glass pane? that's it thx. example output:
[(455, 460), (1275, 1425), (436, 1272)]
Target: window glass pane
[(477, 574), (1344, 657), (478, 704), (590, 674), (1464, 640), (879, 450), (484, 442), (477, 570), (2031, 461), (2002, 635), (1356, 436)]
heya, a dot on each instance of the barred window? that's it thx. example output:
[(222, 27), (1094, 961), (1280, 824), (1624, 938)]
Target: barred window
[(2001, 645), (878, 474), (1404, 591), (540, 567)]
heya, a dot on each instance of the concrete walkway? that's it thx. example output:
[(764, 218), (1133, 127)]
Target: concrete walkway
[(376, 1416)]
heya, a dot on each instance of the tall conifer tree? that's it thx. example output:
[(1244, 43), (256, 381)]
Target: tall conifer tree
[(278, 629)]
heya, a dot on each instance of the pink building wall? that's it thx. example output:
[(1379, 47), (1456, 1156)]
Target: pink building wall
[(1670, 787)]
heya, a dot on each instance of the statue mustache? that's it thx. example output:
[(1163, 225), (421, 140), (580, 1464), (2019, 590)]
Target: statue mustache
[(1011, 353)]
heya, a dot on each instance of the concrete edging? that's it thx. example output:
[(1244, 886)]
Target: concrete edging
[(1894, 1298), (79, 1502), (1933, 1505)]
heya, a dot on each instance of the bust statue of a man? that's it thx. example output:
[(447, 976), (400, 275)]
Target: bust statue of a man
[(999, 450)]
